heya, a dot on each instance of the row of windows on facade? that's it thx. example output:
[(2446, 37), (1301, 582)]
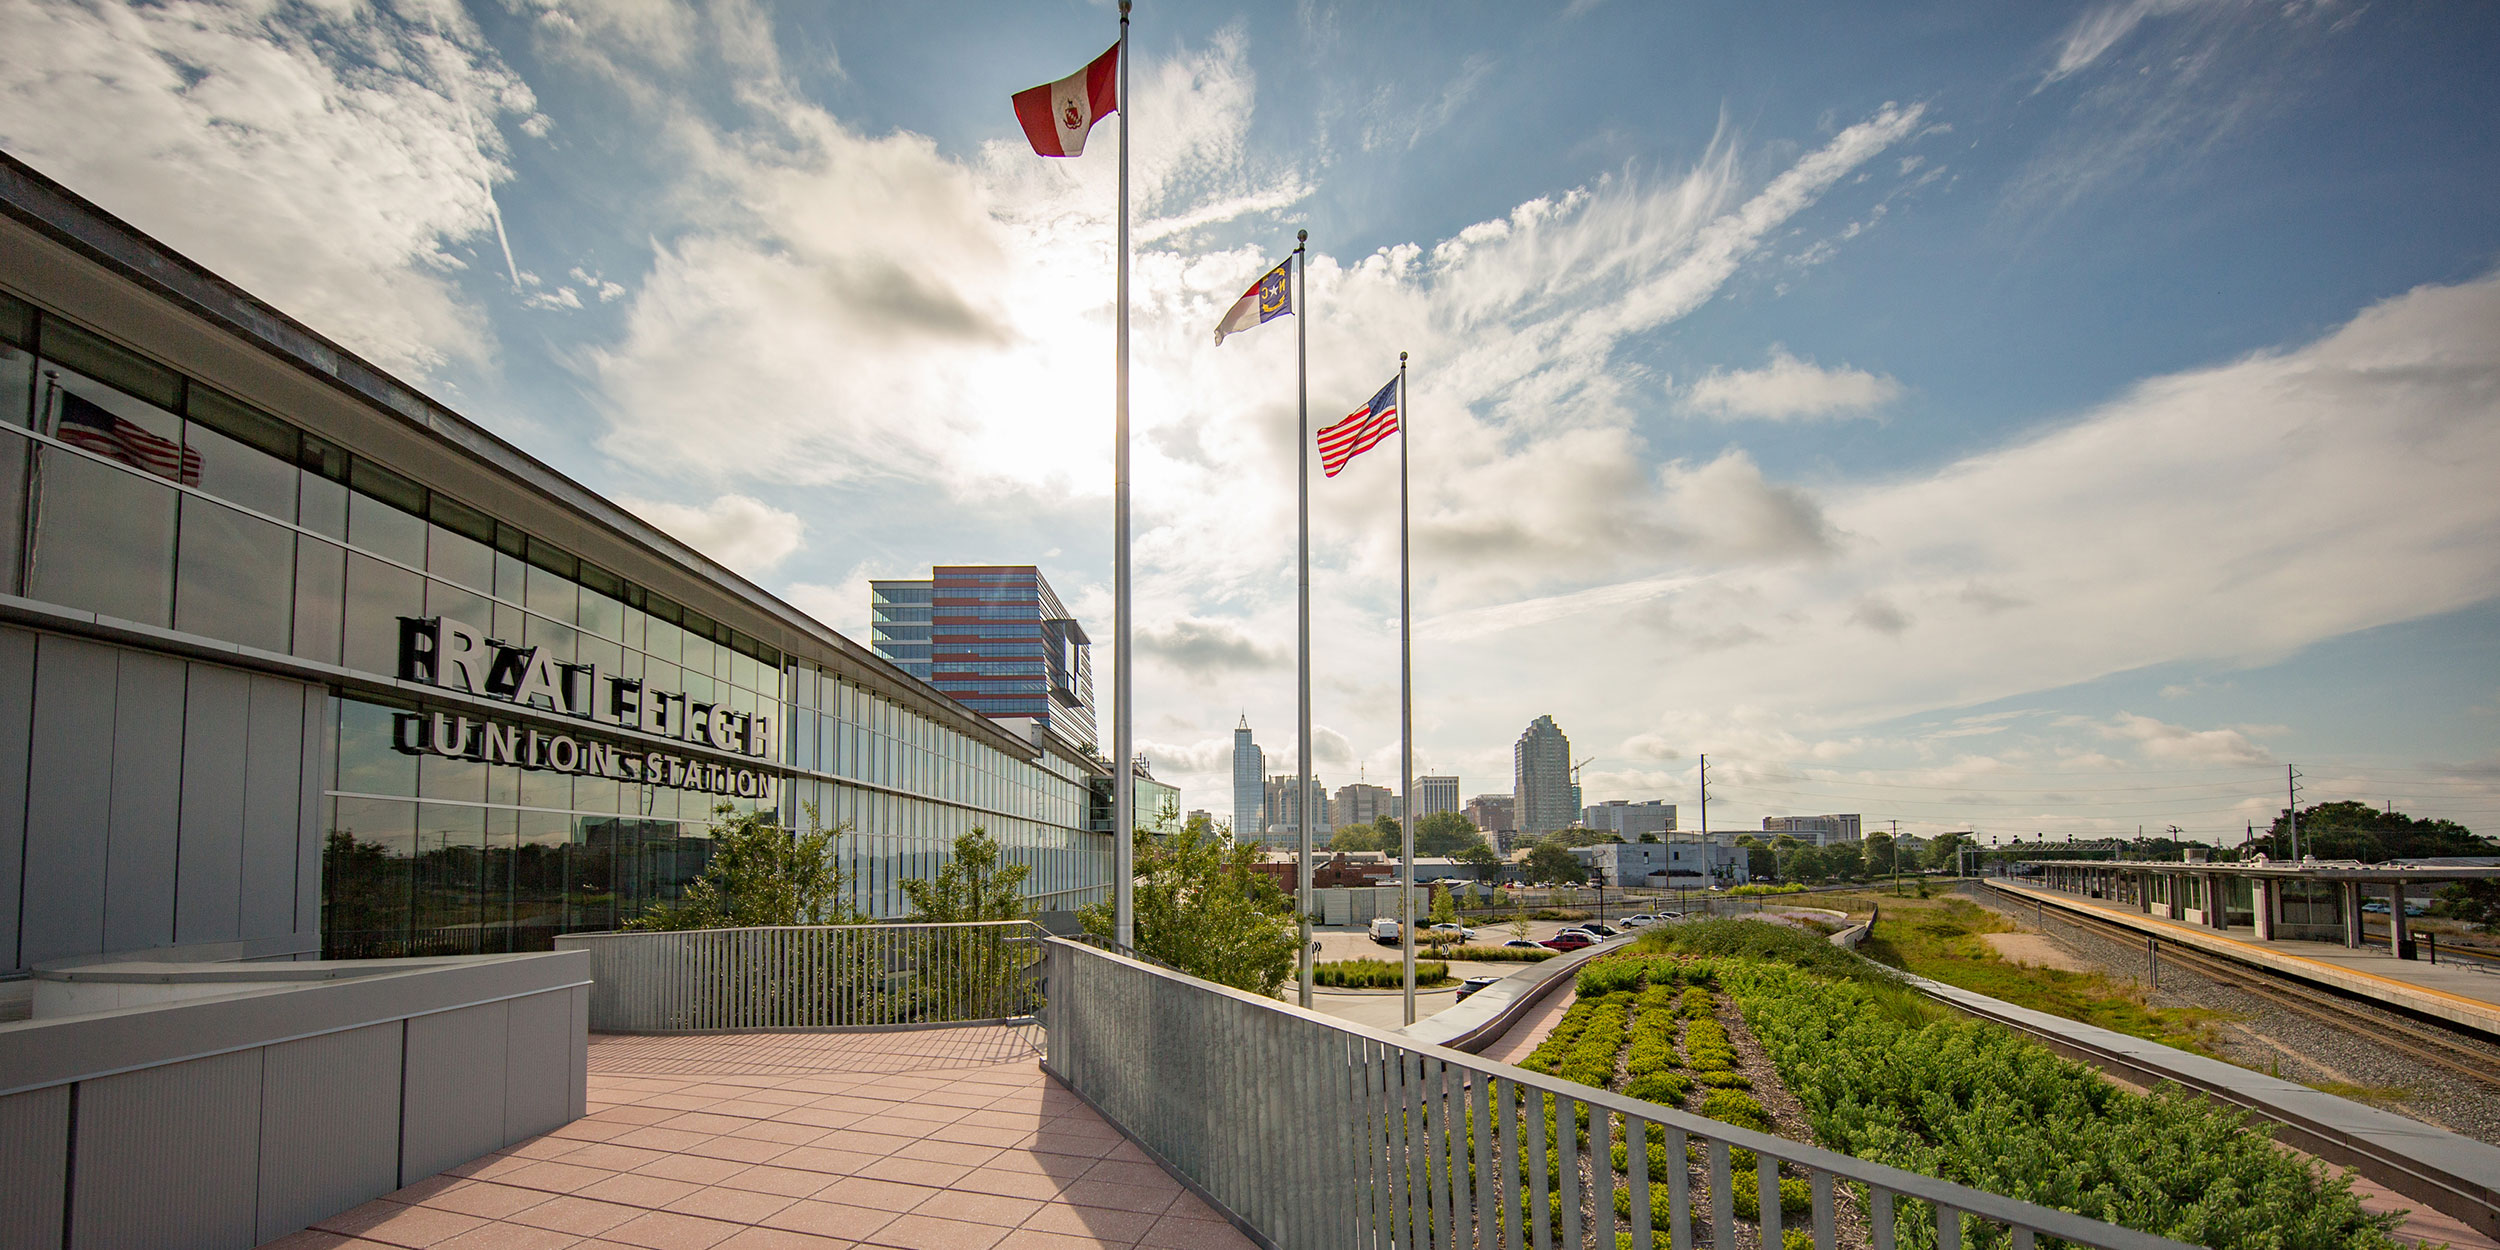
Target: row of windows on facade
[(113, 535), (434, 855)]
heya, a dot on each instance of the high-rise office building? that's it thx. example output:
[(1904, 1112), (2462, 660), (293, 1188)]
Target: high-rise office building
[(1542, 790), (1629, 820), (996, 638), (1361, 803), (1249, 783), (1284, 807), (1434, 795), (1819, 830), (1490, 813)]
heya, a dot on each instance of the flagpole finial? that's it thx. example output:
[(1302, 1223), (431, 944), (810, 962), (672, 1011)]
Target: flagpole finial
[(1401, 359), (1123, 10), (1301, 236)]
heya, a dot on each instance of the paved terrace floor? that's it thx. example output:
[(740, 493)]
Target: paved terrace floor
[(918, 1140)]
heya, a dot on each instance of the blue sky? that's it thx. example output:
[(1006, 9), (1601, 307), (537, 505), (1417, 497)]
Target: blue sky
[(2050, 417)]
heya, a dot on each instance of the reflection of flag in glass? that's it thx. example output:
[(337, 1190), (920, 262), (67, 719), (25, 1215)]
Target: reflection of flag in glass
[(1362, 430), (86, 424), (1266, 300)]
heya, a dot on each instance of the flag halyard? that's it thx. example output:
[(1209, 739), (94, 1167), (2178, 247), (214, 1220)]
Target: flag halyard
[(1057, 116), (1363, 429)]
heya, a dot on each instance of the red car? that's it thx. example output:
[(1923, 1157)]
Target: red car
[(1569, 940)]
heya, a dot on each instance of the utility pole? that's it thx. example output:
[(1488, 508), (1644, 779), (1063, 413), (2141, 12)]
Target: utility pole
[(1705, 824), (2291, 807)]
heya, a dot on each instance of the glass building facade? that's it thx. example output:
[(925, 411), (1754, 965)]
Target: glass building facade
[(150, 508), (995, 637)]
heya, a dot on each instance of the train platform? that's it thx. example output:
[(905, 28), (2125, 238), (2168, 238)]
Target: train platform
[(2454, 992)]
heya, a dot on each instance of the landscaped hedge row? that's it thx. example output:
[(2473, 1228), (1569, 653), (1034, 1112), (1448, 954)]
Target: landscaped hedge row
[(1377, 974)]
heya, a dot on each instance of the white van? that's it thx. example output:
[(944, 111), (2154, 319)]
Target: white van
[(1385, 931)]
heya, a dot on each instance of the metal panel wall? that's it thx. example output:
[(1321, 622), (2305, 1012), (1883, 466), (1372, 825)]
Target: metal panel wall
[(143, 836), (17, 714), (34, 1140), (537, 1081), (450, 1057), (209, 866), (273, 777), (329, 1119), (169, 1157), (72, 752)]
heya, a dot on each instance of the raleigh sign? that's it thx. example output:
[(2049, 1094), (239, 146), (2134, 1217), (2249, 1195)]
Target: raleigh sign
[(455, 655)]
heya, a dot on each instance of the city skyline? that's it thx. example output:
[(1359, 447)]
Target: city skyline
[(1981, 418)]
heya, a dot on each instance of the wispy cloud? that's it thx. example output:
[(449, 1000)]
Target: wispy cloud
[(1787, 388)]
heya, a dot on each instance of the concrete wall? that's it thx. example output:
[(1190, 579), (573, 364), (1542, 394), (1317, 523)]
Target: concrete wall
[(220, 1124), (148, 801)]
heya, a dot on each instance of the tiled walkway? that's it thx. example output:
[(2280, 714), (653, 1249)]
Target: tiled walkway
[(922, 1140)]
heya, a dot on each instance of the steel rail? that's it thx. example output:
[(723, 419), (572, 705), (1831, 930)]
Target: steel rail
[(2422, 1042)]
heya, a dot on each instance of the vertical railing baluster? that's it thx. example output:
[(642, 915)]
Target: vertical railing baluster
[(1567, 1145), (1437, 1102), (1722, 1198), (1538, 1196), (1948, 1228), (1879, 1216), (2022, 1238), (1480, 1159), (1636, 1178), (1767, 1188), (1679, 1190), (1824, 1236), (1506, 1111)]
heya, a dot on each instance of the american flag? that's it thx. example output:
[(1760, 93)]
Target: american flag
[(84, 423), (1361, 431)]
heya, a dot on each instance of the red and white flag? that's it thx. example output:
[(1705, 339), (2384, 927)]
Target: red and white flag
[(1363, 429), (1057, 115)]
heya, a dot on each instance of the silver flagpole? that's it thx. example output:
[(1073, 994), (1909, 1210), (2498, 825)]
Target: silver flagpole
[(1123, 794), (1302, 651), (1406, 710)]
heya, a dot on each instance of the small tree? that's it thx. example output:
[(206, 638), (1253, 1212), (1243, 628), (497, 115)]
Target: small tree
[(1203, 907), (971, 885), (1444, 907), (760, 874), (1519, 923)]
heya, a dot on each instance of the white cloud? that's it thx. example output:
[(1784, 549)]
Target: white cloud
[(2177, 744), (1788, 388), (332, 160), (2098, 31), (745, 534)]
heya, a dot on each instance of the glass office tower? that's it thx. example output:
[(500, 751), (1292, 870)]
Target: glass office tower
[(995, 637)]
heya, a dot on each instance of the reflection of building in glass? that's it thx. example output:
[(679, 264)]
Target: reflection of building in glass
[(995, 637), (1158, 803), (307, 559)]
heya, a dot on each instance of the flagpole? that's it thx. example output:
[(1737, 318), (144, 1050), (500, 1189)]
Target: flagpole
[(1302, 650), (1406, 708), (1123, 793)]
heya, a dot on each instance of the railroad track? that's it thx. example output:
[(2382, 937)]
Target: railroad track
[(2428, 1044)]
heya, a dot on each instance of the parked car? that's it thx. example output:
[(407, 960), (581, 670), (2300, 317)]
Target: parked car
[(1472, 984), (1534, 946), (1634, 922), (1460, 931), (1568, 940), (1385, 931), (1598, 930)]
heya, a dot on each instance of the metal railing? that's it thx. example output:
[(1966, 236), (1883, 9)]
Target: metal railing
[(811, 976), (1314, 1132)]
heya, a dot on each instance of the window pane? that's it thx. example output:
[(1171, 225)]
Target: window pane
[(384, 530), (90, 415), (320, 599), (104, 540), (552, 595), (365, 879), (231, 470), (602, 615), (17, 386), (15, 452), (321, 505), (445, 599), (450, 878), (235, 578), (459, 558), (377, 596), (368, 762), (98, 359)]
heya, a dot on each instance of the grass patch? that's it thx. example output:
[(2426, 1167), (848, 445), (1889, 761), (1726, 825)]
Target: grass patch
[(2374, 1095), (1940, 940), (1378, 974)]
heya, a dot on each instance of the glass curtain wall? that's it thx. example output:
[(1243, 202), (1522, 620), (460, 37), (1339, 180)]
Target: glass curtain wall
[(156, 499)]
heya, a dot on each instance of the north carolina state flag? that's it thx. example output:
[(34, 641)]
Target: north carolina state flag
[(1057, 116)]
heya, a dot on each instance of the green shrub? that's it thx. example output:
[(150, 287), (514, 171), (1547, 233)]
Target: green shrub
[(1498, 954), (1378, 974), (1729, 1106), (1665, 1088)]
